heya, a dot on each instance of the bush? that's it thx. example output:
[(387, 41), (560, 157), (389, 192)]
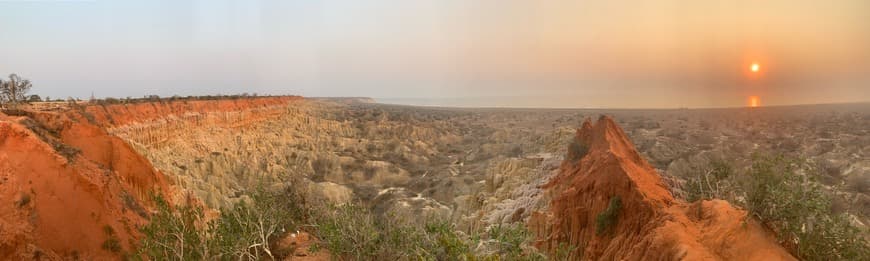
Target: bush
[(246, 230), (444, 243), (800, 212), (576, 150), (353, 232), (511, 239), (242, 232), (709, 182), (174, 234), (606, 220)]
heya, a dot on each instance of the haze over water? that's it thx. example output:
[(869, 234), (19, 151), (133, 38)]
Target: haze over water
[(614, 54)]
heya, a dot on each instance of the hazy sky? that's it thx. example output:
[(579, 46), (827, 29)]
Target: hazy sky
[(493, 53)]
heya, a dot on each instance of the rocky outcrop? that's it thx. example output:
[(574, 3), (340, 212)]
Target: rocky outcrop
[(152, 124), (337, 154), (74, 186), (69, 190), (217, 160), (116, 115), (608, 203)]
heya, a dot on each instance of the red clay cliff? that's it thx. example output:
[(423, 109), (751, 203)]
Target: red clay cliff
[(71, 190)]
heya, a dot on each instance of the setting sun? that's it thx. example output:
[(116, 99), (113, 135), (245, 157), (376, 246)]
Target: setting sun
[(754, 67)]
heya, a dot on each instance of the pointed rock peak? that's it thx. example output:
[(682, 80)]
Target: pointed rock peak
[(608, 122), (587, 125), (606, 136), (609, 204)]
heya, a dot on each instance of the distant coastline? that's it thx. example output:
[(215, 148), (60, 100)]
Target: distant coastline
[(523, 102)]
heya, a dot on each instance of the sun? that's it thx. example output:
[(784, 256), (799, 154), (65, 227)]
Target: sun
[(754, 67)]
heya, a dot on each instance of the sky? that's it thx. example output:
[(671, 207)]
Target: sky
[(548, 53)]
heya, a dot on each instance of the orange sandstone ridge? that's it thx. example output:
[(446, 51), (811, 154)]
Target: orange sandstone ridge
[(68, 186), (651, 224), (122, 114)]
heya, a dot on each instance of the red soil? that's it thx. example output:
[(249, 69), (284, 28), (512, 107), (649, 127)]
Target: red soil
[(57, 206), (651, 224)]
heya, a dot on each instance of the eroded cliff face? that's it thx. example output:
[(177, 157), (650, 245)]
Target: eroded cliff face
[(650, 224), (151, 124), (213, 149), (74, 184), (70, 190), (91, 166)]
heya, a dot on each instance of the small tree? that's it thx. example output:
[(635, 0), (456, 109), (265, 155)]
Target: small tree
[(2, 98), (15, 89), (34, 98), (175, 233)]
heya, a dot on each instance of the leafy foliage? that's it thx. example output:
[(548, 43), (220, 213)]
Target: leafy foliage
[(443, 242), (174, 233), (246, 230), (799, 211), (242, 232), (605, 220), (512, 238), (710, 182), (353, 232), (14, 90)]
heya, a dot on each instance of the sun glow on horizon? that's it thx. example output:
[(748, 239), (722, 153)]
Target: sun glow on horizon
[(754, 67), (754, 101)]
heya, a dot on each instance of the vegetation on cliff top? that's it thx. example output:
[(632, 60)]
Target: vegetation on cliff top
[(242, 232), (353, 232), (248, 231), (14, 90), (777, 191)]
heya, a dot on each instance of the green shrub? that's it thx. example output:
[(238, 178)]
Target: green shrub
[(606, 220), (174, 234), (242, 232), (353, 232), (444, 243), (350, 231), (800, 212), (709, 182), (511, 239), (246, 230)]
